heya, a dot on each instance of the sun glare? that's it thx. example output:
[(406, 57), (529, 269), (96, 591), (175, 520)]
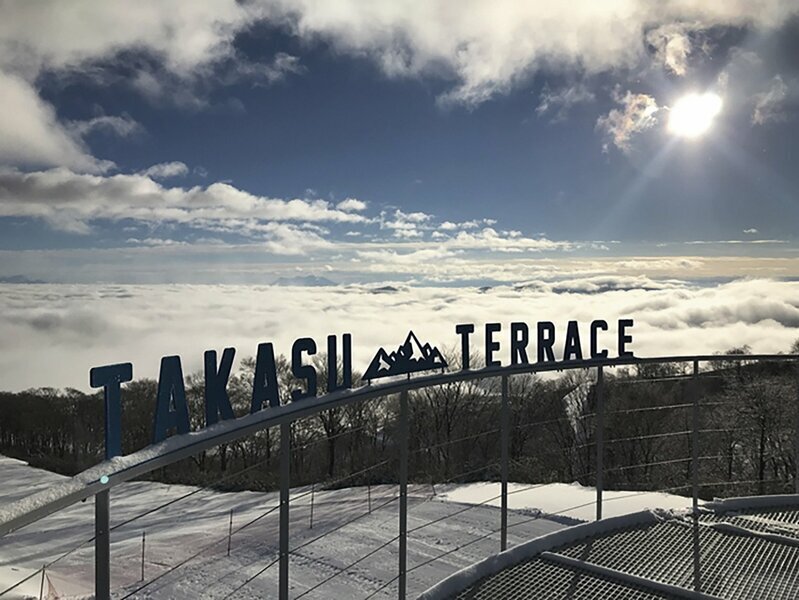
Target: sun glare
[(693, 114)]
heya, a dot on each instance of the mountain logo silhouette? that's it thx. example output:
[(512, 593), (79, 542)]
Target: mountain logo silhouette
[(410, 357)]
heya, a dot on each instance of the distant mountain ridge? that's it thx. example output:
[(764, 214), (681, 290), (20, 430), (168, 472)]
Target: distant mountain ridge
[(410, 357), (19, 279)]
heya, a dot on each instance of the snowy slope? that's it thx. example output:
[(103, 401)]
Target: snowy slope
[(567, 499), (198, 524)]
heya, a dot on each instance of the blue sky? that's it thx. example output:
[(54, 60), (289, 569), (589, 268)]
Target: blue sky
[(429, 142)]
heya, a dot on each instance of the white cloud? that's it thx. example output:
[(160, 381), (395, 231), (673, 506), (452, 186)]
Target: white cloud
[(405, 225), (71, 201), (769, 104), (672, 45), (292, 240), (166, 170), (482, 48), (352, 205), (558, 102), (489, 238), (408, 232), (390, 258), (30, 134), (281, 66), (734, 242), (638, 113), (229, 262), (473, 224), (81, 203), (413, 217), (486, 48), (155, 242), (72, 328), (122, 126), (490, 47), (185, 40), (55, 34)]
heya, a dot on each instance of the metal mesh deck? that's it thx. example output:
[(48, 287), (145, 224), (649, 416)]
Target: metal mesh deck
[(760, 560), (539, 578)]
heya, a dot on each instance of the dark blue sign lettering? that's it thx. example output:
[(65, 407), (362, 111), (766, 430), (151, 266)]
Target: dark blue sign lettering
[(172, 411)]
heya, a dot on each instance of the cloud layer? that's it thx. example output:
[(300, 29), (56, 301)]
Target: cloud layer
[(489, 47), (478, 49), (71, 201), (60, 331), (81, 203)]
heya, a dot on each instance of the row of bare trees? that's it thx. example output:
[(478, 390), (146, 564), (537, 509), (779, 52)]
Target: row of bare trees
[(747, 430)]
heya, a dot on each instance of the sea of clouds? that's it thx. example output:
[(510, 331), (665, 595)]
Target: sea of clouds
[(52, 334)]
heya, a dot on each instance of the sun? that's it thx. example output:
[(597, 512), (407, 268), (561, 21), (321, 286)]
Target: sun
[(693, 114)]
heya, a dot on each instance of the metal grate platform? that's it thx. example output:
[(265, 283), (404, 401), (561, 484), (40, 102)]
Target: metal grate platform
[(540, 578), (729, 552)]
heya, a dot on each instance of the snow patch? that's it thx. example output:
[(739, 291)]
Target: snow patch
[(568, 499)]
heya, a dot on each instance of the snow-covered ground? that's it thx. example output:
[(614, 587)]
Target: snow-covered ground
[(566, 499), (460, 519)]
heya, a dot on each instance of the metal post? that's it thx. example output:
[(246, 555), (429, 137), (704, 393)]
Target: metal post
[(695, 474), (505, 434), (229, 531), (313, 490), (285, 461), (41, 587), (102, 546), (143, 542), (796, 436), (697, 564), (695, 437), (403, 493), (600, 439)]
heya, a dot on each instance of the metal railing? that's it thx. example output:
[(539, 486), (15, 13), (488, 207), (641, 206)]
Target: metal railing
[(99, 480)]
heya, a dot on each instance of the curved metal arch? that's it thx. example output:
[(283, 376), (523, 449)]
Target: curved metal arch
[(124, 468)]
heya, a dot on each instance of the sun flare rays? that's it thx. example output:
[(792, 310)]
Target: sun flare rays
[(693, 114)]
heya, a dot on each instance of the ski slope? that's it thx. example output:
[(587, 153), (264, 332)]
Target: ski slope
[(459, 522)]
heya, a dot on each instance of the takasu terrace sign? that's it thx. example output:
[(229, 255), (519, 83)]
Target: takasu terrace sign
[(172, 411)]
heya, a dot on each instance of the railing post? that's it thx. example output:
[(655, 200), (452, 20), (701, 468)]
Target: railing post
[(695, 424), (695, 437), (285, 462), (600, 439), (102, 536), (313, 490), (796, 436), (403, 494), (505, 434), (697, 563), (229, 531), (102, 546)]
